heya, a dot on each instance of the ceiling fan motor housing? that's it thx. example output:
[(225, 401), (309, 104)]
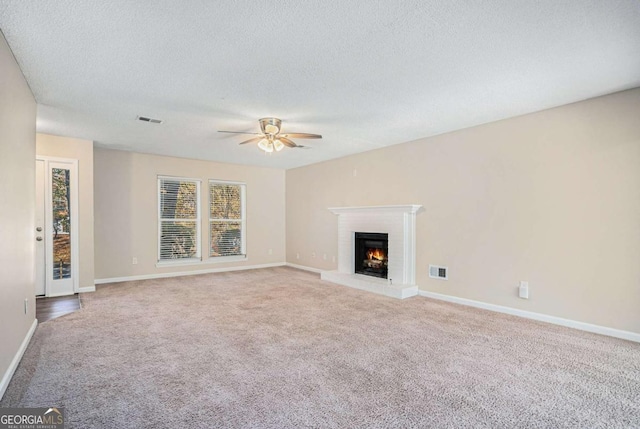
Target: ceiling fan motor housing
[(270, 126)]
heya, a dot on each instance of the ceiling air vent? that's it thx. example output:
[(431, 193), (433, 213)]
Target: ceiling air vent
[(436, 272), (151, 120)]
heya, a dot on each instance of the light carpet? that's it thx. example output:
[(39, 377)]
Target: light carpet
[(279, 348)]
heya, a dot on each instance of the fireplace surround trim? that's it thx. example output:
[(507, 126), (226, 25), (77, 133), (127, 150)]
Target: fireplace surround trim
[(399, 222)]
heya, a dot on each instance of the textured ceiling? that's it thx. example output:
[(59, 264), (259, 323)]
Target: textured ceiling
[(365, 74)]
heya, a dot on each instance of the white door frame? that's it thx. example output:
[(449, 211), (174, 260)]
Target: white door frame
[(41, 244), (72, 165)]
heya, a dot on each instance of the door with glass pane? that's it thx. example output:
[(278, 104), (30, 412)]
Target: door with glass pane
[(59, 232)]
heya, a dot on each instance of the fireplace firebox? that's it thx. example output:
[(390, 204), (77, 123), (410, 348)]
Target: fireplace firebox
[(371, 250)]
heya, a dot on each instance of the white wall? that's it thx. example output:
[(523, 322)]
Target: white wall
[(126, 211), (552, 198), (17, 218)]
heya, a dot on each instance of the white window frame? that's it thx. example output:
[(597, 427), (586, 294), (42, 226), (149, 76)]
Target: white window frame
[(243, 221), (198, 220)]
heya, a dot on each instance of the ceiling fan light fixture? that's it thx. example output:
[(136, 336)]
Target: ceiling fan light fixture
[(278, 145), (265, 145)]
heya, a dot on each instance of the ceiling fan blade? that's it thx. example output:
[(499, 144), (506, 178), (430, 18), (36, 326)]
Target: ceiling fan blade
[(303, 147), (240, 132), (287, 142), (303, 136), (253, 140)]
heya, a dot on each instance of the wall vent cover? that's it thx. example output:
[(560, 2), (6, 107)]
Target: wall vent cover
[(151, 120), (436, 272)]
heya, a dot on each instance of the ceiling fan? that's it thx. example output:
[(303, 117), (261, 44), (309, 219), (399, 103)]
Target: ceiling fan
[(272, 139)]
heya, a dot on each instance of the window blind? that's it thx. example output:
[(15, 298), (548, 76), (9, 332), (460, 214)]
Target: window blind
[(179, 219), (226, 219)]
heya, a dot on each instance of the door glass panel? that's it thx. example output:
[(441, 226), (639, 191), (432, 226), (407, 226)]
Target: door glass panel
[(61, 193)]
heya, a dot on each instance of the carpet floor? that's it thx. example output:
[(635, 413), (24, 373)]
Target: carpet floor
[(279, 348)]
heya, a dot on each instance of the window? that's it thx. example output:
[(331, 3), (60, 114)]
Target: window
[(178, 219), (226, 219)]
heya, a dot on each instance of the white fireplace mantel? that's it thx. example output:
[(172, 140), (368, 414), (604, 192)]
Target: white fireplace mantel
[(410, 208), (399, 222)]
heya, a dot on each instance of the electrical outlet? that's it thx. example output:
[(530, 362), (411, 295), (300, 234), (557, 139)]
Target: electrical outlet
[(297, 256), (355, 172), (523, 290), (270, 251), (134, 261)]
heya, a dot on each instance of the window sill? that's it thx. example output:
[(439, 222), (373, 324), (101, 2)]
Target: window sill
[(207, 261)]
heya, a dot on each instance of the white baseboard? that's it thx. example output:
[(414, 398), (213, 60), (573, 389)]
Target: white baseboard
[(6, 378), (87, 289), (302, 267), (186, 273), (596, 329)]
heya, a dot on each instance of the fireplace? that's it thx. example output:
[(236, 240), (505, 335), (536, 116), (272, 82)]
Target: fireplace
[(371, 254), (397, 277)]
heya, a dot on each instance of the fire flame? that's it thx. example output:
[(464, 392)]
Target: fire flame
[(376, 254)]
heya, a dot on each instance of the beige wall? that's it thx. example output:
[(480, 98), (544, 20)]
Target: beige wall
[(552, 198), (126, 211), (82, 150), (17, 226)]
